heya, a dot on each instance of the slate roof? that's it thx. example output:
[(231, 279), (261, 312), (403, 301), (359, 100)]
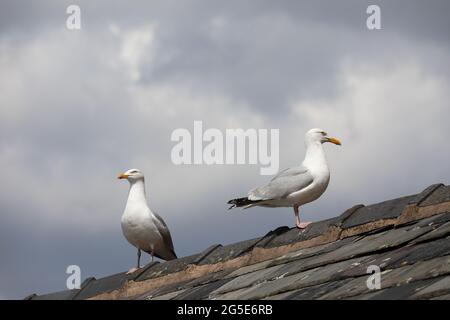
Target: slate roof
[(407, 237)]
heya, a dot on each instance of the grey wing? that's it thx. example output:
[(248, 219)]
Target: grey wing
[(284, 183), (164, 230)]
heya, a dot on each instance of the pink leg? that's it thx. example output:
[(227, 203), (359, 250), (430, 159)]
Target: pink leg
[(299, 225)]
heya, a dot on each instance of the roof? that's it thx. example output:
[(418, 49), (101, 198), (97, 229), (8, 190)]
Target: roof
[(407, 237)]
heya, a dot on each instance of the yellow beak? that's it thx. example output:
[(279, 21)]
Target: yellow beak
[(122, 176), (334, 140)]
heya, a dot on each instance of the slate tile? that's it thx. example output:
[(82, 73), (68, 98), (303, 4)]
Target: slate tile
[(61, 295), (379, 230), (247, 280), (402, 292), (205, 253), (280, 296), (435, 220), (301, 254), (365, 296), (137, 274), (347, 213), (264, 241), (437, 288), (313, 262), (380, 260), (277, 282), (366, 246), (207, 278), (312, 251), (167, 296), (103, 285), (327, 273), (420, 252), (228, 252), (352, 288), (314, 292), (441, 194), (167, 267), (250, 268), (357, 287), (385, 240), (383, 210), (389, 278), (441, 219), (266, 289), (87, 281), (232, 295), (418, 271), (162, 291), (201, 292), (439, 232), (296, 235), (422, 196), (403, 256), (443, 297)]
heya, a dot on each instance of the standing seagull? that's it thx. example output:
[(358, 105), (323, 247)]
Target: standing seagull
[(295, 186), (143, 228)]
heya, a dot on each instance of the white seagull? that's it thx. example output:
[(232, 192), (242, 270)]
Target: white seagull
[(295, 186), (144, 229)]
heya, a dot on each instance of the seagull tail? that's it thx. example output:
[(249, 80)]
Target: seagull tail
[(174, 254), (241, 202)]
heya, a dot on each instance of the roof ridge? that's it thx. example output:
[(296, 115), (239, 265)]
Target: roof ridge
[(357, 220)]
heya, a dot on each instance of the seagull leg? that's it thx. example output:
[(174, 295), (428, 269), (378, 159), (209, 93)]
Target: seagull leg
[(139, 259), (299, 225), (152, 253), (138, 263), (297, 216)]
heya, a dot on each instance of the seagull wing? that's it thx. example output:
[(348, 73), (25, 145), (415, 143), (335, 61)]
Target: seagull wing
[(283, 184), (165, 233)]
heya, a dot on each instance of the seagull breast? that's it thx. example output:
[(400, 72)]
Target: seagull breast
[(138, 227)]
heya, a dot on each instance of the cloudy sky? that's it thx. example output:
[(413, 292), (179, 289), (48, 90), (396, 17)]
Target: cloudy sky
[(78, 107)]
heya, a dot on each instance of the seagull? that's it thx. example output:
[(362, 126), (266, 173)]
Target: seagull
[(296, 186), (142, 227)]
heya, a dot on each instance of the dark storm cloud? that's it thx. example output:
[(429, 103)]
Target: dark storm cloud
[(266, 54)]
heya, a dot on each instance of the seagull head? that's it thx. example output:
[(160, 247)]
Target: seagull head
[(319, 135), (132, 175)]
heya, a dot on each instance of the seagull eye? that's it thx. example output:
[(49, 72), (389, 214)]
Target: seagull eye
[(324, 133), (134, 171)]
